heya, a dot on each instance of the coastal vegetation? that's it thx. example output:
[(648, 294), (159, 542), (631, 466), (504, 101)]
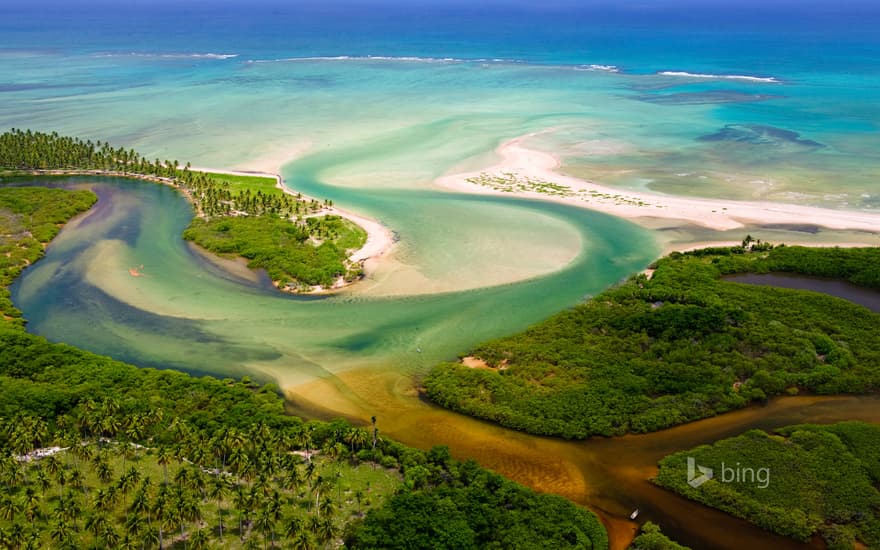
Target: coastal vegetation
[(232, 210), (296, 256), (252, 183), (29, 219), (680, 345), (95, 453), (650, 537), (509, 182), (820, 479), (476, 509)]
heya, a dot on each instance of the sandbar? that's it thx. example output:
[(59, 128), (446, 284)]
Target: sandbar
[(534, 174)]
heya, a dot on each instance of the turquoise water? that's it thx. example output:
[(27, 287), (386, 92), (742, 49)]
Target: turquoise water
[(181, 313), (367, 104), (446, 84)]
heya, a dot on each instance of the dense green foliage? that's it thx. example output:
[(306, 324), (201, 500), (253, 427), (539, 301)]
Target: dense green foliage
[(311, 252), (821, 479), (680, 346), (244, 215), (464, 507), (156, 458), (213, 194), (57, 394), (181, 487), (29, 219), (651, 538)]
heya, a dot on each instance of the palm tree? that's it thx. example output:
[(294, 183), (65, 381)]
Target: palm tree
[(17, 535), (130, 542), (59, 531), (291, 479), (160, 509), (134, 525), (226, 441), (109, 536), (77, 480), (32, 503), (265, 523), (163, 457), (302, 541), (218, 489), (356, 438), (43, 481), (305, 440), (327, 507), (323, 529), (128, 480), (96, 523), (241, 500), (187, 511), (105, 498), (239, 461), (103, 469), (321, 484), (71, 509), (200, 539), (9, 508), (150, 537)]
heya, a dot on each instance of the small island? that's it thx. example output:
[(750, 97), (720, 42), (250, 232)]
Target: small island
[(303, 245)]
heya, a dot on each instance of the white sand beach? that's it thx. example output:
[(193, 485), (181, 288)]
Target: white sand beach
[(529, 173)]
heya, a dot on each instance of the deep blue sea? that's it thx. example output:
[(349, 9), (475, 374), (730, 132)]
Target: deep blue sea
[(783, 38)]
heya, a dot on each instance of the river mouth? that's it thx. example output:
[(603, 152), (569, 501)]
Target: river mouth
[(358, 356), (866, 297)]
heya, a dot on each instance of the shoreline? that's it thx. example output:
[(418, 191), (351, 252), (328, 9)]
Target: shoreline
[(528, 173), (379, 238), (113, 174)]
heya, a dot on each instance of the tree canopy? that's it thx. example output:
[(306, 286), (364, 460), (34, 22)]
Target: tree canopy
[(681, 345)]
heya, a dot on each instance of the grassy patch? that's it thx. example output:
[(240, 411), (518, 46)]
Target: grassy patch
[(253, 184)]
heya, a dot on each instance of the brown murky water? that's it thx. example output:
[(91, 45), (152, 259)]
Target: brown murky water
[(611, 476)]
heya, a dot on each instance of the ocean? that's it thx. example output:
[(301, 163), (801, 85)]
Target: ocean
[(758, 100)]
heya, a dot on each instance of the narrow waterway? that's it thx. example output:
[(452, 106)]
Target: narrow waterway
[(863, 296)]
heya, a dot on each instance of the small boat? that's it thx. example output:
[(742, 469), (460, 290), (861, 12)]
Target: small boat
[(419, 350), (635, 514)]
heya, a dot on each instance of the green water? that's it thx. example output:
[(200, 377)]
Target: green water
[(182, 313)]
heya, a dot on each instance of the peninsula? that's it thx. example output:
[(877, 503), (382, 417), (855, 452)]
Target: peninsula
[(305, 245)]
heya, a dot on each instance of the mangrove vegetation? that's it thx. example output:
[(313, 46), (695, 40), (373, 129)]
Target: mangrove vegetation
[(677, 346), (796, 481)]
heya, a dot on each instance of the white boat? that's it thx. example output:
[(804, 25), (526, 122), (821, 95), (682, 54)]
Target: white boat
[(635, 514)]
